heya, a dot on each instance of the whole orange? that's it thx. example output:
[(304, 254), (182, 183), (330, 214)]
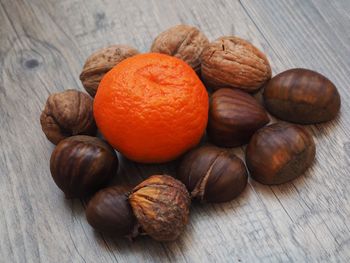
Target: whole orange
[(151, 107)]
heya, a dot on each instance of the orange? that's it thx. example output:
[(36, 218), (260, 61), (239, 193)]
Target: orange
[(151, 107)]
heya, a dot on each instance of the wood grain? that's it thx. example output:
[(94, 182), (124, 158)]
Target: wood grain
[(43, 46)]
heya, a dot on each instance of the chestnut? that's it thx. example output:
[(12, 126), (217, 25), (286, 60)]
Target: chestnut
[(109, 211), (302, 96), (212, 174), (161, 205), (158, 207), (234, 116), (279, 153), (81, 165)]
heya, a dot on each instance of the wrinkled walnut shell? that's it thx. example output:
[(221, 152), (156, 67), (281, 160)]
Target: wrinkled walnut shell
[(161, 205), (182, 41), (235, 63), (67, 113), (102, 61)]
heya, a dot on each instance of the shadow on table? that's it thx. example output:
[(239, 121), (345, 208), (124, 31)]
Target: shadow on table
[(131, 173)]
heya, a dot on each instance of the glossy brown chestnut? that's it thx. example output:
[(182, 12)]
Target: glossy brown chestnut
[(161, 205), (234, 116), (302, 96), (213, 174), (109, 211), (81, 165), (279, 153)]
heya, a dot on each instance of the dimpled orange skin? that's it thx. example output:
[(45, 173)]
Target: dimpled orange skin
[(151, 107)]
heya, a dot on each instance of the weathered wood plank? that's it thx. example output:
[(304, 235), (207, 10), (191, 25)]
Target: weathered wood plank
[(43, 45), (312, 34)]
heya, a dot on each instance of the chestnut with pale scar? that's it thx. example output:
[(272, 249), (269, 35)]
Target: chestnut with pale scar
[(302, 96), (212, 174), (174, 115), (81, 165), (279, 153), (234, 116), (158, 207)]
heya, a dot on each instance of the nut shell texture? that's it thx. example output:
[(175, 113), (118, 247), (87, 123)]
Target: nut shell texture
[(161, 206), (67, 113), (279, 153), (81, 165), (213, 174), (302, 96), (182, 41), (109, 211), (235, 63), (102, 61), (234, 116)]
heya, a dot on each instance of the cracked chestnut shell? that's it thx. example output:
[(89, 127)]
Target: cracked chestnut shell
[(102, 61), (184, 42), (67, 113), (212, 174), (235, 63), (109, 211), (80, 165), (161, 205), (302, 96), (279, 153), (233, 118)]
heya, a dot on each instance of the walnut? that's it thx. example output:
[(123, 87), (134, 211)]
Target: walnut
[(182, 41), (67, 113), (233, 62), (161, 206), (100, 62)]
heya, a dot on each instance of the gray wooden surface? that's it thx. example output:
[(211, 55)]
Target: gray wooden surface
[(43, 44)]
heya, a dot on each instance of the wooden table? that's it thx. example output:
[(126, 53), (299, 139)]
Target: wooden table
[(43, 44)]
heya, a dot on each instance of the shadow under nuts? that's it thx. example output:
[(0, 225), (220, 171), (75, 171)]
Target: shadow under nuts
[(302, 96), (81, 165), (279, 153), (234, 63), (100, 62), (161, 205), (213, 174), (109, 211), (234, 116), (67, 113), (182, 41)]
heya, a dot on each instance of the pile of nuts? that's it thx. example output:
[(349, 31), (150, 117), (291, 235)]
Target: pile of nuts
[(82, 164)]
